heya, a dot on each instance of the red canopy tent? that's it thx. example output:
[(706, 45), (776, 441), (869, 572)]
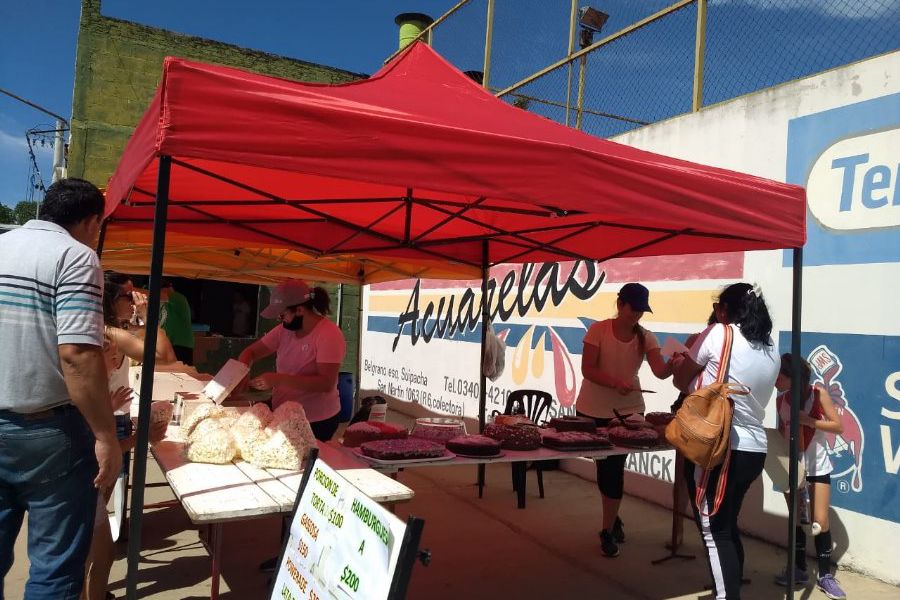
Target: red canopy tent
[(417, 162), (420, 161)]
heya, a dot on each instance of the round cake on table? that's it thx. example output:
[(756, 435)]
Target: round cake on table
[(660, 420), (580, 440), (474, 445), (633, 421), (408, 449), (438, 429), (512, 420), (640, 437), (573, 423), (514, 437), (369, 431)]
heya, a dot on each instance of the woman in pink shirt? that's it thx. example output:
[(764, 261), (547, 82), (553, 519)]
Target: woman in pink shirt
[(309, 350)]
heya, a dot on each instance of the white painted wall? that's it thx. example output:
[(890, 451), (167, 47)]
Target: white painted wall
[(750, 134), (851, 286)]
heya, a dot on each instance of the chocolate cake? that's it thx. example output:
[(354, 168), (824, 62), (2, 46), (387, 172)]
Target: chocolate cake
[(407, 449), (575, 440), (514, 437), (572, 423), (369, 431), (641, 437), (474, 445), (633, 421), (660, 420)]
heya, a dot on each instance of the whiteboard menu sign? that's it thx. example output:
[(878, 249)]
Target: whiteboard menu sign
[(342, 544)]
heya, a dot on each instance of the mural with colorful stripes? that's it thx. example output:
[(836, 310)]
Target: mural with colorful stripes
[(421, 338)]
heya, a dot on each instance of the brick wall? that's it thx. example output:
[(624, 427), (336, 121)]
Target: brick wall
[(118, 65), (117, 68)]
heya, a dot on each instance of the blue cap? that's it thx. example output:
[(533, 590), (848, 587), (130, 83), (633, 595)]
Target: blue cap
[(636, 296)]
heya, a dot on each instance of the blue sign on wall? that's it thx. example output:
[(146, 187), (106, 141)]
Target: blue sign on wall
[(862, 185), (862, 375)]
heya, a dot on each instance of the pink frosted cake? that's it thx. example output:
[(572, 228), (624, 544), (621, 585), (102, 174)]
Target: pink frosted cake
[(369, 431)]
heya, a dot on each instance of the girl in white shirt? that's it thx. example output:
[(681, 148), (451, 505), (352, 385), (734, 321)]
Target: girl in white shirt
[(754, 364), (817, 416), (613, 352)]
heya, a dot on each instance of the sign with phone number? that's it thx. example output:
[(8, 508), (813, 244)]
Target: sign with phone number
[(342, 543)]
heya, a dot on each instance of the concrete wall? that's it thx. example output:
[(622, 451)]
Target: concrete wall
[(834, 133), (828, 133), (117, 68)]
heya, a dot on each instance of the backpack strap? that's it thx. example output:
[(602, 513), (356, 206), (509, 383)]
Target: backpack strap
[(725, 356), (721, 374), (720, 488)]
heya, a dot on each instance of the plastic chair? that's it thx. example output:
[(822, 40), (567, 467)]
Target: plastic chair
[(534, 404)]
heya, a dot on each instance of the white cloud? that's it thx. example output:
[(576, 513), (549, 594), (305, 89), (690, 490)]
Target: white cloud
[(9, 142), (844, 9), (11, 145)]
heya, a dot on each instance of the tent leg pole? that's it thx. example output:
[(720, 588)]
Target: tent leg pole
[(796, 393), (482, 388), (149, 364)]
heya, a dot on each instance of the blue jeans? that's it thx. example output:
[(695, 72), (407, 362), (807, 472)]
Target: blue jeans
[(47, 468)]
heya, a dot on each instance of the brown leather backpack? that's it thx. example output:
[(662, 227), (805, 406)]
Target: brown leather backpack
[(702, 426)]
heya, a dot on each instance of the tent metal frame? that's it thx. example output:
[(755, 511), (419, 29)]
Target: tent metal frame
[(161, 205)]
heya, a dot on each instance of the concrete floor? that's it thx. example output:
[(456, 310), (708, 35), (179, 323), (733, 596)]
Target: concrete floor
[(481, 549)]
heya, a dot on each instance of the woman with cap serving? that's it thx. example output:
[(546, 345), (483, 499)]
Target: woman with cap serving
[(308, 351), (613, 352)]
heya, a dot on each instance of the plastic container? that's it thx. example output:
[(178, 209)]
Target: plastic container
[(345, 389), (438, 429)]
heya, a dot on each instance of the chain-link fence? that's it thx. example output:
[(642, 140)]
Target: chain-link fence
[(644, 65)]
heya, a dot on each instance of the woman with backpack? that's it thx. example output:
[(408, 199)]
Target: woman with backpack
[(817, 416), (614, 350), (741, 340)]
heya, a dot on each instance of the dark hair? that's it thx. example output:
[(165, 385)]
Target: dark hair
[(637, 329), (744, 306), (712, 320), (112, 281), (787, 364), (319, 301), (70, 201), (639, 332), (165, 283)]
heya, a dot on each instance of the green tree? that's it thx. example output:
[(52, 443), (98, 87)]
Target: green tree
[(7, 215), (24, 211)]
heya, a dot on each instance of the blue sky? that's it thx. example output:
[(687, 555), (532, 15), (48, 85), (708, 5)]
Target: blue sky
[(751, 44), (37, 50)]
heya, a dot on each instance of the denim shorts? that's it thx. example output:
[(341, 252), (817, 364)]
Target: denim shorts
[(47, 470)]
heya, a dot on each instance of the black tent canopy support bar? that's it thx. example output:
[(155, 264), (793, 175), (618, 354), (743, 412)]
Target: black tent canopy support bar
[(161, 205), (147, 370), (453, 210)]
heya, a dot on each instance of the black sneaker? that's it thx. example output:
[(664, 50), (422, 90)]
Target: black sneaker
[(618, 531), (608, 545), (268, 566)]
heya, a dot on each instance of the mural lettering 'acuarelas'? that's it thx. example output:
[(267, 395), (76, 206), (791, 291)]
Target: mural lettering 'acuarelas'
[(520, 291)]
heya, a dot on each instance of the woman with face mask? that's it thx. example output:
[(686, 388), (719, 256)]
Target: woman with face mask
[(308, 351)]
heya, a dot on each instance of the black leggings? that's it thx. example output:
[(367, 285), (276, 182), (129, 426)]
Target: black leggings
[(720, 534), (324, 429), (610, 470)]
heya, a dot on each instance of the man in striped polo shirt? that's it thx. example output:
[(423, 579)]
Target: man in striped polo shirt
[(57, 433)]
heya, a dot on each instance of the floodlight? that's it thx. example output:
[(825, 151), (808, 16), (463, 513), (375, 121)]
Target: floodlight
[(592, 19)]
